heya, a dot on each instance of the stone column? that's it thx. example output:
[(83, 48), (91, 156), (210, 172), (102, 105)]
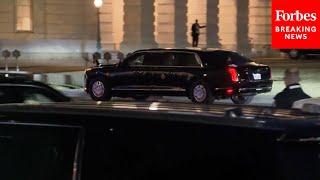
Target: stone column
[(197, 9), (106, 29), (111, 22), (180, 25), (212, 24), (147, 23), (228, 24), (138, 25), (117, 22), (243, 42), (164, 23), (260, 26)]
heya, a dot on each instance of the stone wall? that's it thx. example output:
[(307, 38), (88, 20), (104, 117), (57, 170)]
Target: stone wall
[(68, 27)]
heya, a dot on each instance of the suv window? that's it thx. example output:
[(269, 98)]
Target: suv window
[(186, 59), (26, 94), (159, 59), (7, 95), (35, 97), (32, 95)]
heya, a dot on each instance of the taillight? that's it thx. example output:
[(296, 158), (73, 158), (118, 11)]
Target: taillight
[(233, 74), (229, 91)]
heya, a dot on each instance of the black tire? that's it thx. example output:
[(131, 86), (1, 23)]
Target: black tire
[(240, 99), (294, 54), (141, 97), (102, 95), (200, 93)]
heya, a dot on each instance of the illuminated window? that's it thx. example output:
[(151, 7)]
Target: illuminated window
[(23, 15)]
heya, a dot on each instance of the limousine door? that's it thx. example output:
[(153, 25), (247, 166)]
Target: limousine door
[(173, 73), (133, 76)]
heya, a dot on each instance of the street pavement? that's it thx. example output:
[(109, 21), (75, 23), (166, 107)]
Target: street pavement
[(80, 95)]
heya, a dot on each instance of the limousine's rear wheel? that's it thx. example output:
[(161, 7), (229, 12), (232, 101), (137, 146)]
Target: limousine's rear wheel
[(200, 93), (99, 90), (241, 99)]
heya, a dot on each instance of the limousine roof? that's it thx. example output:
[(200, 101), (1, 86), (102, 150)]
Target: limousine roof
[(194, 50), (226, 115)]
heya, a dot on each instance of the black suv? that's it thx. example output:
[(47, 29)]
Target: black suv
[(200, 75), (18, 87)]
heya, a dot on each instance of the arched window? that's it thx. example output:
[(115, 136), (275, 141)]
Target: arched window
[(23, 15)]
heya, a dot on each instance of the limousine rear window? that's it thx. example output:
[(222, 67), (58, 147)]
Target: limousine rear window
[(221, 59), (186, 59)]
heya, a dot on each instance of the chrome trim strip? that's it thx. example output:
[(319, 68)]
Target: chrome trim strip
[(259, 88), (122, 89), (12, 122)]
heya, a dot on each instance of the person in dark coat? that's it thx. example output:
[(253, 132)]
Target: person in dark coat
[(293, 91), (196, 33)]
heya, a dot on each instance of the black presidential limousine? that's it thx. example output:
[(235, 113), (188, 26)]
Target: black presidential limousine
[(201, 75), (156, 141)]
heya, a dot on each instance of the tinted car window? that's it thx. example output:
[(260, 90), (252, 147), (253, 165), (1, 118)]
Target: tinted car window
[(35, 97), (186, 59), (136, 60), (29, 95), (159, 59), (214, 59), (8, 95), (220, 59), (32, 95)]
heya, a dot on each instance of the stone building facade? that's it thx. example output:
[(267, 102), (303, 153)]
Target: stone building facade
[(67, 29)]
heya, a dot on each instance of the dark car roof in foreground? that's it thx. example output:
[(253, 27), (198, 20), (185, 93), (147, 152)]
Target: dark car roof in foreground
[(251, 116)]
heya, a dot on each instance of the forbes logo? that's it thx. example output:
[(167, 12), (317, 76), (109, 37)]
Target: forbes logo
[(281, 15)]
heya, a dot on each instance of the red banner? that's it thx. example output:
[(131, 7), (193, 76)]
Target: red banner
[(296, 24)]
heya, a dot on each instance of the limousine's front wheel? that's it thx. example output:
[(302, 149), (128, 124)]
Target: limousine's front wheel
[(99, 90), (200, 93)]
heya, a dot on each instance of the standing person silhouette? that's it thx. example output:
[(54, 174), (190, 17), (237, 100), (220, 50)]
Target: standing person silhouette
[(195, 33)]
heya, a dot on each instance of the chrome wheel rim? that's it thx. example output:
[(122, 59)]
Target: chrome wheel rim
[(199, 93), (98, 89)]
